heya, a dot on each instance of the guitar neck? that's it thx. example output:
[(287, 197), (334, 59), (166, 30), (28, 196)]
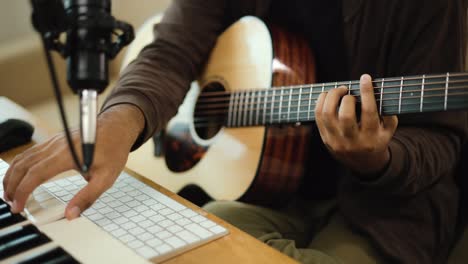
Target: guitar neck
[(292, 104)]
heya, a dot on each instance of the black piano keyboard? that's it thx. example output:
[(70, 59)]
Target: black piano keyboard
[(18, 239)]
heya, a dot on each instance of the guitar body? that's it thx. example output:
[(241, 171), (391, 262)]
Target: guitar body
[(256, 164), (215, 141)]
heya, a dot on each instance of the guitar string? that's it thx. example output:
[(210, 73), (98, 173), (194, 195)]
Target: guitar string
[(279, 120), (275, 120), (223, 105), (220, 112), (201, 118), (265, 93), (355, 82), (452, 88)]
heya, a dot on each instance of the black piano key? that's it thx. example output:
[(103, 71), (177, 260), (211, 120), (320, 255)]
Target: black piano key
[(4, 208), (8, 219), (54, 256), (20, 239)]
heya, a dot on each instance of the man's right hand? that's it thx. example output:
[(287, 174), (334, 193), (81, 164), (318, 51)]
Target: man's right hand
[(117, 130)]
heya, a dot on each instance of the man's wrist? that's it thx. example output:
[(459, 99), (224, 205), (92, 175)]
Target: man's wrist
[(126, 118)]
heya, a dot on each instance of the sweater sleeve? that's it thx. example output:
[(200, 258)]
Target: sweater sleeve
[(158, 79), (425, 38)]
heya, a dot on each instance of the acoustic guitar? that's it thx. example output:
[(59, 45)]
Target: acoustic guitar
[(225, 137)]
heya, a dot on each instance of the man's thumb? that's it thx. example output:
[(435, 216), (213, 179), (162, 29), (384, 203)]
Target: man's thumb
[(84, 198)]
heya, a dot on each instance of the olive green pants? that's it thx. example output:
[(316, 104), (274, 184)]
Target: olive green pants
[(308, 231)]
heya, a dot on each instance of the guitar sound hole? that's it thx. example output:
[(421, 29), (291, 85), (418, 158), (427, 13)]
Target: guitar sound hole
[(211, 110)]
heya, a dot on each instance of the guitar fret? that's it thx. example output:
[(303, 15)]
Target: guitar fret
[(265, 108), (446, 90), (381, 95), (323, 87), (349, 87), (231, 98), (310, 101), (234, 111), (272, 106), (280, 105), (247, 109), (422, 94), (241, 105), (289, 104), (299, 103), (258, 106), (401, 92)]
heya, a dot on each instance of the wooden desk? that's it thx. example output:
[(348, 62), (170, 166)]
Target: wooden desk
[(237, 247)]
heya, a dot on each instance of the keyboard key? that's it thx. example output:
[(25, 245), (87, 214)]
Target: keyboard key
[(163, 234), (135, 244), (89, 211), (188, 213), (141, 208), (198, 219), (154, 242), (198, 230), (129, 225), (218, 229), (121, 220), (163, 248), (207, 224), (103, 222), (145, 224), (166, 223), (119, 232), (115, 204), (145, 236), (95, 217), (183, 221), (136, 231), (105, 210), (157, 218), (174, 229), (107, 199), (165, 211), (130, 213), (157, 207), (127, 238), (113, 215), (111, 227), (189, 237), (149, 202), (174, 216), (147, 252), (132, 203), (127, 200), (138, 218), (142, 197), (118, 195), (154, 229), (148, 213), (134, 193), (122, 208), (175, 242)]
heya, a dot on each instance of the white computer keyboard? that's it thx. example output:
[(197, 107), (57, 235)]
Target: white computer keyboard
[(147, 221)]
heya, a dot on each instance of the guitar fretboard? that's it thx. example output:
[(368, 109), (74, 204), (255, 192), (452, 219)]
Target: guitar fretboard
[(291, 104)]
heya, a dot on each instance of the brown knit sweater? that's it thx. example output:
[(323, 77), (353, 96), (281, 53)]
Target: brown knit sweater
[(409, 211)]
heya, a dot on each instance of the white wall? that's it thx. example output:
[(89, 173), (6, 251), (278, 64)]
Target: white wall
[(23, 73)]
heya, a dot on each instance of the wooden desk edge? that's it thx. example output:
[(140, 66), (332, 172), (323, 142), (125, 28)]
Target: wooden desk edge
[(249, 243)]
